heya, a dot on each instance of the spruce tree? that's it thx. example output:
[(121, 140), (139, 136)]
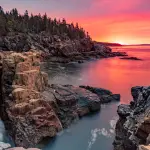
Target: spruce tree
[(14, 22)]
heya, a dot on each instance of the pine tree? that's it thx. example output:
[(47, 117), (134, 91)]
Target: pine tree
[(45, 22), (14, 22)]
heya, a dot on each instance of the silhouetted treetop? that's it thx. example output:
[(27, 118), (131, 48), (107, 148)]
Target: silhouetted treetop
[(14, 22)]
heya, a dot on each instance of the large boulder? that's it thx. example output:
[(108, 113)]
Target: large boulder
[(74, 102), (133, 126)]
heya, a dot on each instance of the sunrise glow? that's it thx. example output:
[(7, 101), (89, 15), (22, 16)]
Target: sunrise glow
[(122, 21), (121, 42)]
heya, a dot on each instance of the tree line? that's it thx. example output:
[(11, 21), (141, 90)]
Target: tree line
[(12, 21)]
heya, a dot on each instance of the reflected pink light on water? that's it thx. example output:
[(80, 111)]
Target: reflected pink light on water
[(119, 75)]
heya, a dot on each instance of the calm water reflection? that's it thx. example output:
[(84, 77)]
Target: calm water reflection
[(113, 73)]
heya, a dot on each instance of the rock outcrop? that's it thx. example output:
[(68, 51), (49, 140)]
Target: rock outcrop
[(55, 48), (32, 109), (74, 102), (133, 126), (130, 58)]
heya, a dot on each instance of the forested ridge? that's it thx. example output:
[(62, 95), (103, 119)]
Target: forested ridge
[(13, 21), (58, 40)]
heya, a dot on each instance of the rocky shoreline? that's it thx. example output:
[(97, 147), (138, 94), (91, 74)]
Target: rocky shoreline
[(32, 109), (57, 48), (133, 126)]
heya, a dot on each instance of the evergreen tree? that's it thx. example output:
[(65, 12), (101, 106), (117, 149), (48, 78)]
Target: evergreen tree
[(14, 22), (45, 22)]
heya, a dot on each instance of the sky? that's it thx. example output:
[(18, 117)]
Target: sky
[(119, 21)]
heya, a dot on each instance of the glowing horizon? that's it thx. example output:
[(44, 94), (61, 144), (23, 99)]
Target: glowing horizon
[(117, 21)]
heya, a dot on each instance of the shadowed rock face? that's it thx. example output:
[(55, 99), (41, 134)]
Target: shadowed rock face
[(133, 126), (55, 48), (32, 109)]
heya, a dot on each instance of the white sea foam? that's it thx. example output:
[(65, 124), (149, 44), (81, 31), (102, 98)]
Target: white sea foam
[(103, 131), (111, 131), (94, 134), (113, 122)]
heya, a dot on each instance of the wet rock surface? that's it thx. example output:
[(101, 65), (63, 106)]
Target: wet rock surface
[(133, 126), (32, 109)]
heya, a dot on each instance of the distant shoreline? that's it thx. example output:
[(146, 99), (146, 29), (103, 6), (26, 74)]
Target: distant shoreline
[(117, 44)]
